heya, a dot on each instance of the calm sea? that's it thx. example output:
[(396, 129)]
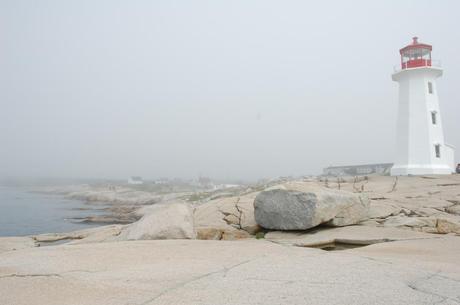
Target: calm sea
[(25, 213)]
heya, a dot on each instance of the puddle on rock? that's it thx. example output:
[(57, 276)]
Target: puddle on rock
[(337, 246)]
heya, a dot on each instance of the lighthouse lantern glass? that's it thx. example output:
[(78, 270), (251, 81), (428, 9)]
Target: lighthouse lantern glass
[(415, 56)]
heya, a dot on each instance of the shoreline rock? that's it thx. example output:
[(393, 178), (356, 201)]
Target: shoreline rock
[(165, 221)]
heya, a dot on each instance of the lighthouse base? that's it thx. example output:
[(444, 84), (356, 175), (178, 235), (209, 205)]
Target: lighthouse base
[(420, 169)]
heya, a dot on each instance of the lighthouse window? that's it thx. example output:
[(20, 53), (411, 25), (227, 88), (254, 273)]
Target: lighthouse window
[(430, 87), (434, 117), (437, 149)]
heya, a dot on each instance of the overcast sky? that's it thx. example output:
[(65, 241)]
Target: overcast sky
[(226, 89)]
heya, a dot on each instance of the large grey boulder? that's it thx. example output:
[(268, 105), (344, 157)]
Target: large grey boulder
[(294, 209), (164, 221)]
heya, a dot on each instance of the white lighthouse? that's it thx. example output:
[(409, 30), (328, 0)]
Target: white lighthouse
[(421, 149)]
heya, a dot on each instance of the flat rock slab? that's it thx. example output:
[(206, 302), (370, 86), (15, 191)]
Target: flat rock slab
[(240, 272), (359, 235), (421, 252), (97, 234), (16, 243)]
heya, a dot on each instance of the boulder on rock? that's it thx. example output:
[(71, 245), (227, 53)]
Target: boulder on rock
[(226, 218), (301, 207), (165, 221)]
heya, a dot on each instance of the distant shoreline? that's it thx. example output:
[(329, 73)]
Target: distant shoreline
[(24, 212)]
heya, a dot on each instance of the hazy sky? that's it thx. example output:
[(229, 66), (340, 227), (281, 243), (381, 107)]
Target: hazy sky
[(226, 89)]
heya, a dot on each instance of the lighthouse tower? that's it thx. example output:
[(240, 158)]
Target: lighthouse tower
[(421, 149)]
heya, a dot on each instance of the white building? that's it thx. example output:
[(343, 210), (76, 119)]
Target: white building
[(135, 180), (420, 142), (358, 170)]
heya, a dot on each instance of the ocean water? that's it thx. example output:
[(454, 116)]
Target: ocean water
[(25, 213)]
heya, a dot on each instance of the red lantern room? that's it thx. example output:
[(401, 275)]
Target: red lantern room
[(416, 55)]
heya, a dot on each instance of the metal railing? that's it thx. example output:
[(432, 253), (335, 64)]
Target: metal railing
[(432, 63)]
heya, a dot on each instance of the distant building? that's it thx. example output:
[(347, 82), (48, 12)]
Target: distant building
[(135, 180), (162, 180), (205, 182), (358, 170), (225, 186)]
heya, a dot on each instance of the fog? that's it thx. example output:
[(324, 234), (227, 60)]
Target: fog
[(225, 89)]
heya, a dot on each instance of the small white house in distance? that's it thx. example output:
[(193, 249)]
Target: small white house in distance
[(135, 180)]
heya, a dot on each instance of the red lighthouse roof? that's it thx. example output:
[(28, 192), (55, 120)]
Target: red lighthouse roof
[(415, 45), (416, 55)]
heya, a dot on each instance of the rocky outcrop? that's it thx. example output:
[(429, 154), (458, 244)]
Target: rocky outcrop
[(423, 224), (425, 204), (165, 221), (226, 218), (208, 233), (455, 209), (101, 234), (448, 225), (383, 210), (120, 197), (91, 235), (301, 207)]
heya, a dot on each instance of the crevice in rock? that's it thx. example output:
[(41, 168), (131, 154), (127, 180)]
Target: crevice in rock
[(376, 260), (269, 280), (448, 184), (345, 244), (29, 275), (335, 245), (224, 270), (238, 216), (18, 275), (240, 213), (415, 286)]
